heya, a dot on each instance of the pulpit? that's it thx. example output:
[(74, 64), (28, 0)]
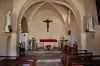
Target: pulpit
[(48, 43)]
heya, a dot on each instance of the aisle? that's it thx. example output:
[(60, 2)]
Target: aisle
[(47, 58)]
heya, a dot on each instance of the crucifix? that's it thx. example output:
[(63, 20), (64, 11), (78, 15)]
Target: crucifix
[(47, 21)]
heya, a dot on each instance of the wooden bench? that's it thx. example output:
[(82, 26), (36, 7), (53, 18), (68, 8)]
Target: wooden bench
[(79, 53), (31, 60), (73, 50), (81, 60), (71, 58), (69, 50), (87, 63), (10, 62)]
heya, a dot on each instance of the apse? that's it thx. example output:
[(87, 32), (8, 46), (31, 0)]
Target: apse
[(38, 28)]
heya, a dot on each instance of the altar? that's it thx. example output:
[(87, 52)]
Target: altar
[(48, 43)]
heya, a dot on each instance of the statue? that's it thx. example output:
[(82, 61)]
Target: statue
[(75, 47), (33, 43), (69, 17), (90, 23), (29, 46), (62, 42), (47, 21), (8, 27)]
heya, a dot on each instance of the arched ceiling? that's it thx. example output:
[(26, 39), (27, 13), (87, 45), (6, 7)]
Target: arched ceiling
[(60, 9), (76, 9), (31, 2)]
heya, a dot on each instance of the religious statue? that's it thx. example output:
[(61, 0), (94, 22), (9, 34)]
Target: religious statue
[(69, 16), (8, 27), (90, 24), (20, 28), (29, 46), (75, 47), (62, 42), (33, 43), (47, 21)]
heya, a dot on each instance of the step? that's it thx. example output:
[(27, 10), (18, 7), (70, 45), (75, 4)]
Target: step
[(49, 60)]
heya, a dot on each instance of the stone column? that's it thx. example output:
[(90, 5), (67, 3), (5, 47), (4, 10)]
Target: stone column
[(83, 33), (13, 51)]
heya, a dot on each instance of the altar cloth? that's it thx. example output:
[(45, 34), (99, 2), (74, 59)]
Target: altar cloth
[(48, 40)]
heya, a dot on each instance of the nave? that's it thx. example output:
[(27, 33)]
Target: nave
[(69, 56), (47, 58), (45, 32), (44, 58)]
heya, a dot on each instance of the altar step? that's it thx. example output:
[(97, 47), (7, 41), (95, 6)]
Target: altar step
[(49, 64), (32, 52), (52, 62), (48, 60)]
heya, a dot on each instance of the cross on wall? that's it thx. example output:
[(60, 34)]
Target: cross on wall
[(47, 21)]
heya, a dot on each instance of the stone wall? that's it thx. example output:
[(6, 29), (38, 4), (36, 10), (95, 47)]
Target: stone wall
[(5, 6), (90, 8)]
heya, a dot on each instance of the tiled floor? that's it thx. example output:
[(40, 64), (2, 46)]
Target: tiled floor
[(49, 64), (47, 58)]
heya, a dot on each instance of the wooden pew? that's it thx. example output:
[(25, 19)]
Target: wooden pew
[(73, 50), (65, 59), (79, 52), (79, 60), (18, 60), (71, 58), (29, 58), (7, 57), (10, 62), (87, 63)]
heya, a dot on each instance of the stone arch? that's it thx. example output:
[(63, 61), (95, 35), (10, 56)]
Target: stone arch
[(24, 26), (79, 16), (51, 5), (29, 3)]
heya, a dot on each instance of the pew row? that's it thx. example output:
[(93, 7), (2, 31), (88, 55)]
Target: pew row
[(83, 60), (8, 60), (79, 53), (69, 58)]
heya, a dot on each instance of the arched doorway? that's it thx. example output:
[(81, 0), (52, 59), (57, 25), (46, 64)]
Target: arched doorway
[(75, 10), (23, 32)]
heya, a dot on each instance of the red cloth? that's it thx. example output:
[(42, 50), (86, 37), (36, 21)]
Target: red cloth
[(48, 40)]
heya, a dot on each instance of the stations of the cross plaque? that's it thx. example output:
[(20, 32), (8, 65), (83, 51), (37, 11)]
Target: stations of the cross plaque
[(47, 21)]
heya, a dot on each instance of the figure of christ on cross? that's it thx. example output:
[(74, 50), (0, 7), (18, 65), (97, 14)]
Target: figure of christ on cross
[(47, 21)]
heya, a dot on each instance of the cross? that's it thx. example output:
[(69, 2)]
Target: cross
[(47, 21)]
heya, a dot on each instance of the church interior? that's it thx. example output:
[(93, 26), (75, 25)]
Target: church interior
[(49, 33)]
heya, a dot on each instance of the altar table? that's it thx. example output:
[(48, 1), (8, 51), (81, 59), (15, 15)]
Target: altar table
[(47, 42)]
